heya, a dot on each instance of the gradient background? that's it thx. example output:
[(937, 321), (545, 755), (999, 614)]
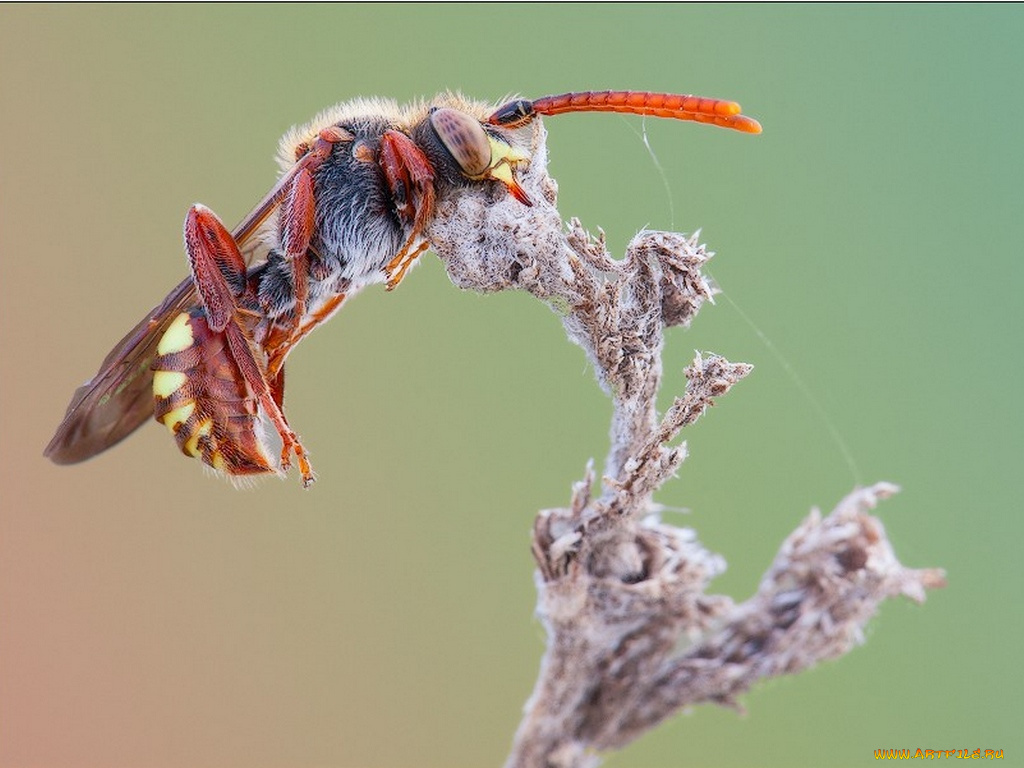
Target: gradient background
[(152, 616)]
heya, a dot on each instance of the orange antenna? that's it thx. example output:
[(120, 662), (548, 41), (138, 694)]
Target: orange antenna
[(725, 114)]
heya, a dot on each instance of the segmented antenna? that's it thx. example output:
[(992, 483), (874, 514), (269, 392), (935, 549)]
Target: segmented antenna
[(725, 114)]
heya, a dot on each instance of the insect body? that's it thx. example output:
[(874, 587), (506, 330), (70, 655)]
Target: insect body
[(359, 189)]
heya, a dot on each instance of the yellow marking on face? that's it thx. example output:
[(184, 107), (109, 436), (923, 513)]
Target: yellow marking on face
[(192, 446), (502, 152), (179, 415), (502, 173), (166, 383), (503, 157), (177, 337)]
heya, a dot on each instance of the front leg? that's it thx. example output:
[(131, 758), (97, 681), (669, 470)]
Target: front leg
[(410, 178)]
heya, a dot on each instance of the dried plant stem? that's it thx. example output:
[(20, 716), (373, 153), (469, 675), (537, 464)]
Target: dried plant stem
[(632, 635)]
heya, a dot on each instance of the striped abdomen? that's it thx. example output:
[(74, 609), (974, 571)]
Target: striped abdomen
[(202, 397)]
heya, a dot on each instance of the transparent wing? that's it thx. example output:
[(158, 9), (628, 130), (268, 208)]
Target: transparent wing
[(119, 398)]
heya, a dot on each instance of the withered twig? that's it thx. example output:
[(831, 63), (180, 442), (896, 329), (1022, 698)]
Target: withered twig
[(632, 635)]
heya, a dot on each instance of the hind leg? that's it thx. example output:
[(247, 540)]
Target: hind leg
[(219, 273)]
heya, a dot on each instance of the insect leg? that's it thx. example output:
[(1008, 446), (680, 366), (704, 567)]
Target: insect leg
[(276, 352), (218, 270), (410, 177), (296, 233)]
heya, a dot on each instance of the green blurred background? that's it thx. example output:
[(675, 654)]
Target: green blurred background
[(152, 616)]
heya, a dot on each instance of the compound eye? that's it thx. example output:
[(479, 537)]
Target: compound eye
[(464, 138)]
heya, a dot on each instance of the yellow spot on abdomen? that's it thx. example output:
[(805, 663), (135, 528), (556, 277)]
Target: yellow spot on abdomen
[(166, 383), (177, 337), (179, 415), (192, 446)]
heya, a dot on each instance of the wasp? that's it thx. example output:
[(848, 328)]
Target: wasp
[(358, 189)]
